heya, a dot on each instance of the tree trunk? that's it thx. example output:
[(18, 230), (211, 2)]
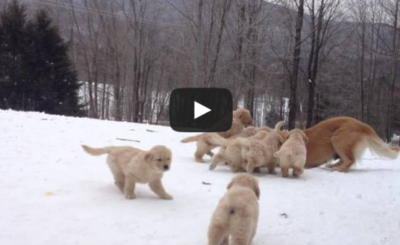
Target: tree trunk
[(295, 67), (394, 73)]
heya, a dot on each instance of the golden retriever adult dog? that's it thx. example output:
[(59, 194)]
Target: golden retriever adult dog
[(293, 153), (347, 138), (130, 165), (241, 119), (236, 215)]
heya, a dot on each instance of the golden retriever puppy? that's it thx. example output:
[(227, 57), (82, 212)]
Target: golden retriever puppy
[(130, 165), (346, 138), (259, 152), (230, 154), (241, 119), (293, 153), (236, 216), (231, 151)]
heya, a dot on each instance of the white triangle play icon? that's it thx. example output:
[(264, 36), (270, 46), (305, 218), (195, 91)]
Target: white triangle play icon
[(200, 110)]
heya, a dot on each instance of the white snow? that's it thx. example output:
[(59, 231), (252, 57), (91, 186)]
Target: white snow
[(51, 192)]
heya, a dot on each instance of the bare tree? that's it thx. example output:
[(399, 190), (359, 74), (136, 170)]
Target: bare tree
[(322, 28), (296, 63)]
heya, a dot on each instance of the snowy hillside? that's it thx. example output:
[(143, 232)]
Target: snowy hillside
[(51, 192)]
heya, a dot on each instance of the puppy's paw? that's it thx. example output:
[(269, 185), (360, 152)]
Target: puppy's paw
[(167, 197), (200, 160), (249, 170), (212, 166), (130, 196)]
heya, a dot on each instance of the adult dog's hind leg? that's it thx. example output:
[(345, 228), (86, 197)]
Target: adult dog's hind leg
[(345, 149)]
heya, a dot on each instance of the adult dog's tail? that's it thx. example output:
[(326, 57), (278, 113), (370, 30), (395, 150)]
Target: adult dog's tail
[(191, 138), (379, 147), (96, 151)]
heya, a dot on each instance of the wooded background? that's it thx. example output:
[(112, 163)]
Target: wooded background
[(298, 60)]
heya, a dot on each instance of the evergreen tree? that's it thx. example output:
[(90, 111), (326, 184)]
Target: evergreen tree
[(35, 70), (13, 87), (55, 81)]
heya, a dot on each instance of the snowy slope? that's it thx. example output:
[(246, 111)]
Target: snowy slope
[(51, 192)]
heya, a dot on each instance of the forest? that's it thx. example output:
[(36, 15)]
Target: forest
[(296, 60)]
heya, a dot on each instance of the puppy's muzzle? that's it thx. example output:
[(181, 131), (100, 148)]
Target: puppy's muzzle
[(166, 167)]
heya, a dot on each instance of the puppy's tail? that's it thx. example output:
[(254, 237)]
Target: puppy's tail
[(378, 146), (96, 151), (191, 139), (278, 126), (215, 139)]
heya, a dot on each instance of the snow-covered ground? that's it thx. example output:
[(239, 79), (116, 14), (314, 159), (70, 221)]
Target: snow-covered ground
[(51, 192)]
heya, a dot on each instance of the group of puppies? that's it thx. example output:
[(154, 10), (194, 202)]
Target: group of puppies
[(236, 214), (245, 148)]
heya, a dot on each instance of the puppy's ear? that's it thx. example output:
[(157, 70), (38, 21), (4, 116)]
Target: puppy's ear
[(148, 156), (240, 114)]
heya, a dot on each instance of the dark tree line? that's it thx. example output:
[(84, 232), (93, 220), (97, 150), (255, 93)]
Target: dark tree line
[(36, 73), (296, 60)]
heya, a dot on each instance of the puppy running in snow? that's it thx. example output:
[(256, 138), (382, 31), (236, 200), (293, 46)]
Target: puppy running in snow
[(293, 153), (241, 119), (260, 152), (131, 165), (236, 215)]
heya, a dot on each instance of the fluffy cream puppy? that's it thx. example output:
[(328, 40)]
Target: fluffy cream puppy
[(259, 152), (240, 120), (230, 154), (236, 215), (130, 165), (231, 151), (293, 153)]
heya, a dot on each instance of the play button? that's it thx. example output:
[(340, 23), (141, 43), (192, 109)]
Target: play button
[(200, 110)]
